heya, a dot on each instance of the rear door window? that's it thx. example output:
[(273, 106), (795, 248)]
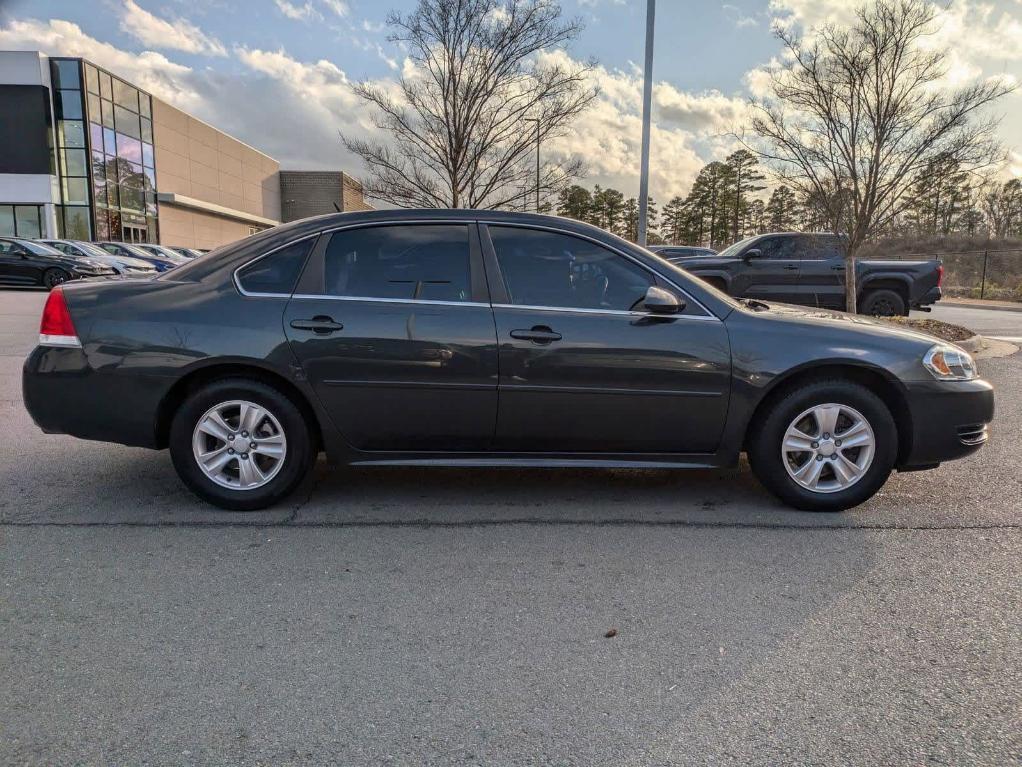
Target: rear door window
[(423, 262)]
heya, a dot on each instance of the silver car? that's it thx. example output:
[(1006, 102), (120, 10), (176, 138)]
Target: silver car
[(122, 264)]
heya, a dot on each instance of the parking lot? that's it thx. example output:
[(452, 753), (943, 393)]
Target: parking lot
[(408, 616)]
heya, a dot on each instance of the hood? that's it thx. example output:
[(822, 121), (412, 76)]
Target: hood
[(683, 261), (843, 320)]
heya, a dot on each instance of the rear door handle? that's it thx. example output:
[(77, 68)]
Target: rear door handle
[(790, 267), (318, 324), (540, 334)]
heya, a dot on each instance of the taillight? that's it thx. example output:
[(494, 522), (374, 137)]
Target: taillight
[(56, 328), (940, 274)]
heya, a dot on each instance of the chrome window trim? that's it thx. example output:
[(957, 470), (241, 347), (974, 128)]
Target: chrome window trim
[(370, 299), (614, 312), (255, 294), (467, 222), (709, 315)]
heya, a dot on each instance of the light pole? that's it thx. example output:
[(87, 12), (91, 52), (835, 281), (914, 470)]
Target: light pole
[(536, 120), (647, 98)]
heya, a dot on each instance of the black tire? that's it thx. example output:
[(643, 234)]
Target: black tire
[(883, 303), (54, 277), (767, 437), (298, 458)]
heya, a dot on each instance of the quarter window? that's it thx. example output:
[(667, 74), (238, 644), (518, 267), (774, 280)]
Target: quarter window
[(543, 268), (277, 272), (409, 261)]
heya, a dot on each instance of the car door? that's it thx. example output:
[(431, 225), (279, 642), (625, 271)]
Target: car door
[(822, 271), (583, 368), (392, 326), (17, 265), (770, 275)]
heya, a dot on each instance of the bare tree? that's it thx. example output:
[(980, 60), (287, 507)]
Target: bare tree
[(859, 111), (462, 121)]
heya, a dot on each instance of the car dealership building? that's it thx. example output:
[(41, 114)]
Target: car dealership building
[(87, 155)]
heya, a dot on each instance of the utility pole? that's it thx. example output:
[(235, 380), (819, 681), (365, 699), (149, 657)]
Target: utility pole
[(536, 120), (647, 98)]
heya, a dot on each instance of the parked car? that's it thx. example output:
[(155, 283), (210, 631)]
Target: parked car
[(25, 262), (121, 264), (480, 338), (161, 251), (809, 269), (187, 252), (673, 252), (162, 263)]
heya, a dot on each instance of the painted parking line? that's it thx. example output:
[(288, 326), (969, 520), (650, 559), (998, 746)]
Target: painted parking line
[(1009, 339)]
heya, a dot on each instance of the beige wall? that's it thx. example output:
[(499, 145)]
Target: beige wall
[(198, 161), (187, 228)]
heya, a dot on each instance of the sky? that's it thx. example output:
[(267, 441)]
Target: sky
[(277, 73)]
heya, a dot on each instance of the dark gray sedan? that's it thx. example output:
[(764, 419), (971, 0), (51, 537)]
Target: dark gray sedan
[(472, 338)]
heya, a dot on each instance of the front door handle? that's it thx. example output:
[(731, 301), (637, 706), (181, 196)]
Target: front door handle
[(838, 268), (539, 334), (319, 324)]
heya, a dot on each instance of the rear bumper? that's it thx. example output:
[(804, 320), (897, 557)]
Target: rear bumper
[(931, 296), (949, 420), (64, 395)]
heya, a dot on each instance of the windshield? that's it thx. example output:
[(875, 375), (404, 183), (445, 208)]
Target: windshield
[(144, 254), (735, 249), (39, 248), (92, 251)]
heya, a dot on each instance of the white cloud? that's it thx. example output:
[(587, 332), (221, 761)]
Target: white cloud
[(297, 12), (339, 7), (739, 19), (149, 70), (689, 130), (179, 34)]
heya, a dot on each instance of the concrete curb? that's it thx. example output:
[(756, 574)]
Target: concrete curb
[(998, 308), (973, 344)]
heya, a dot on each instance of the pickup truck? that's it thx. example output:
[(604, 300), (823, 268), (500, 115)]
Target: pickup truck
[(809, 269)]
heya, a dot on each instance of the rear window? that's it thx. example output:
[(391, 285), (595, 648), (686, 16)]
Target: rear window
[(426, 262), (278, 272)]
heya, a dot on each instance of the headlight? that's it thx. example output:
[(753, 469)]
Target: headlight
[(949, 363)]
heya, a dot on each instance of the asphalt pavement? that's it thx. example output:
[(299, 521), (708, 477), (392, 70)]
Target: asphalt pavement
[(993, 323), (409, 616)]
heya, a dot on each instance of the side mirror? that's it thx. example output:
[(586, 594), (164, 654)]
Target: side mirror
[(752, 253), (660, 301)]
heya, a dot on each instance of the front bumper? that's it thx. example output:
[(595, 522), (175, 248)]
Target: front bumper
[(950, 419)]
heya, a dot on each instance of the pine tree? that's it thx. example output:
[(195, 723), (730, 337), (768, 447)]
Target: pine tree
[(782, 210), (673, 220), (744, 177), (575, 202)]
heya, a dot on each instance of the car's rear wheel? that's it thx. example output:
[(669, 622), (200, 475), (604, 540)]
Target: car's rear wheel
[(240, 444), (53, 277), (883, 303), (826, 446)]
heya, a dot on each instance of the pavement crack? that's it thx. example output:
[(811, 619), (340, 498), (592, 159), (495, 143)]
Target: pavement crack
[(290, 522)]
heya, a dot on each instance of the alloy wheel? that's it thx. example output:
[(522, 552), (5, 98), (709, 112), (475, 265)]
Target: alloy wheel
[(239, 445), (828, 448)]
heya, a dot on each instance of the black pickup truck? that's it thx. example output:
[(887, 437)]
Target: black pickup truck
[(809, 269)]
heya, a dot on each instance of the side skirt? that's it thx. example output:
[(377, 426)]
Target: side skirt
[(545, 461)]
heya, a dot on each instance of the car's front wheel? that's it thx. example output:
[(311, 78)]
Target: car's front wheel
[(240, 444), (826, 446)]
